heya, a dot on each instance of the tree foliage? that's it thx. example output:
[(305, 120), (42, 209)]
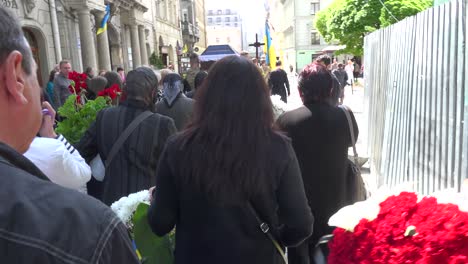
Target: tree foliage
[(347, 22), (156, 61)]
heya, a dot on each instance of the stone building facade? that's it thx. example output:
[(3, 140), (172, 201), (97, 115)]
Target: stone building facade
[(66, 29), (296, 38), (223, 25)]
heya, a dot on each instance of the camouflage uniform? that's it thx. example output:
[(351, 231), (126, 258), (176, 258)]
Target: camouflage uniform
[(190, 77)]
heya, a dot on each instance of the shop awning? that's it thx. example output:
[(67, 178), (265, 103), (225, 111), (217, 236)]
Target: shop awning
[(217, 52), (333, 48)]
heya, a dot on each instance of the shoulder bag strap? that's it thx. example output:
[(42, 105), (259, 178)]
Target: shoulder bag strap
[(265, 229), (125, 134), (351, 130)]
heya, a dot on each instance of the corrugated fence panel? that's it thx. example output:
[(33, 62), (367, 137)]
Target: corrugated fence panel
[(464, 157), (417, 99)]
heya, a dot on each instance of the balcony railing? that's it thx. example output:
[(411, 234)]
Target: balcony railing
[(190, 29)]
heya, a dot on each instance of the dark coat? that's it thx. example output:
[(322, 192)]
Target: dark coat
[(208, 232), (180, 111), (42, 222), (321, 137), (279, 83), (133, 168), (341, 76)]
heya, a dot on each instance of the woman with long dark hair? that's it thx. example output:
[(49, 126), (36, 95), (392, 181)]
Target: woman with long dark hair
[(228, 160)]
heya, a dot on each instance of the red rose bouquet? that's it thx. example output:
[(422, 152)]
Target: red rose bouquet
[(405, 230), (111, 92), (78, 82)]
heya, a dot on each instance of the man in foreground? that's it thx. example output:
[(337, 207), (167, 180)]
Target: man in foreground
[(41, 222)]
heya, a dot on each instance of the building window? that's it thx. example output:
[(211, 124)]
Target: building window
[(314, 38), (228, 11), (228, 24), (235, 19), (227, 19), (220, 12), (210, 12), (235, 24), (218, 19), (210, 20), (314, 7)]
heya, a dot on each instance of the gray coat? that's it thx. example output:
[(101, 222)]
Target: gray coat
[(61, 91), (180, 110)]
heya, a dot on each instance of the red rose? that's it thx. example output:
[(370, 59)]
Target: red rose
[(438, 234)]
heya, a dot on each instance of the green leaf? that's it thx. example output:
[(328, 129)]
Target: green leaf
[(347, 22), (153, 249), (78, 118)]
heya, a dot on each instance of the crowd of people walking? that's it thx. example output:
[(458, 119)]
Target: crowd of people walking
[(208, 142)]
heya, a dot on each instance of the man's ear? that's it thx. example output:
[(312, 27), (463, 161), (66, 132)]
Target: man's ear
[(15, 77)]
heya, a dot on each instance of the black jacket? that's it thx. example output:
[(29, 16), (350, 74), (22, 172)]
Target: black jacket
[(41, 222), (134, 166), (208, 232), (320, 137), (279, 83)]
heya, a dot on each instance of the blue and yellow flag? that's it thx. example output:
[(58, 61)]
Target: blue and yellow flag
[(269, 49), (103, 26)]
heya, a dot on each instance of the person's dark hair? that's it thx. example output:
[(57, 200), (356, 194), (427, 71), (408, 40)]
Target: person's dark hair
[(113, 78), (172, 77), (12, 38), (232, 126), (142, 84), (199, 78), (97, 84), (340, 65), (88, 70), (119, 69), (278, 63), (52, 75), (62, 62), (325, 59), (194, 58), (315, 83)]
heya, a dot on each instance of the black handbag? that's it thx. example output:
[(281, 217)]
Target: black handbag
[(319, 256), (356, 186)]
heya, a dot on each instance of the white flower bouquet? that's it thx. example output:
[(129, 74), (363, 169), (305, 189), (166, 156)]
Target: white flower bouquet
[(125, 207), (279, 107), (151, 249)]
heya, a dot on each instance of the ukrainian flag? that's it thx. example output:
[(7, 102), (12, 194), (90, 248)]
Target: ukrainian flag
[(103, 26), (269, 49)]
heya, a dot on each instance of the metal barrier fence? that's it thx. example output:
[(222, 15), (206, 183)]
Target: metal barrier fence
[(416, 93)]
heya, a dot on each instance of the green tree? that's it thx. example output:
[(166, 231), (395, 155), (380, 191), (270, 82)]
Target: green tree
[(347, 22), (156, 61)]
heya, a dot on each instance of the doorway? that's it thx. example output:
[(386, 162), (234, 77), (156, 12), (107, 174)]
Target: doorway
[(36, 52)]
